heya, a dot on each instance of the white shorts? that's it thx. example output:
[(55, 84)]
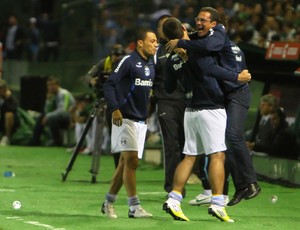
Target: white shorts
[(128, 137), (204, 131)]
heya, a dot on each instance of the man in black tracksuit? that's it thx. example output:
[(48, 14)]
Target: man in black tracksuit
[(170, 111)]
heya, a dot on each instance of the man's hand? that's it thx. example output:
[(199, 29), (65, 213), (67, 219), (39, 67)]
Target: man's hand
[(93, 81), (117, 118), (250, 145), (171, 45), (244, 76), (182, 53)]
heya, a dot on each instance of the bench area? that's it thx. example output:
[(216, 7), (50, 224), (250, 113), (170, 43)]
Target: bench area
[(278, 170), (275, 170)]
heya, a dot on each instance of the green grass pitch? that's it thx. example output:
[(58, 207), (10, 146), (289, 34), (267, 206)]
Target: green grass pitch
[(49, 203)]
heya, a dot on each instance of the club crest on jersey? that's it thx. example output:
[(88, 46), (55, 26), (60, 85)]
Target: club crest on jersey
[(123, 141), (139, 65), (147, 71)]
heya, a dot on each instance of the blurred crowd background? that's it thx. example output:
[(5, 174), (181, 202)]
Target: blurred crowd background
[(64, 38), (52, 30)]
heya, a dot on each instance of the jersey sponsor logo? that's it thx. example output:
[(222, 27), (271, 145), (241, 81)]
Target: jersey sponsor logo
[(138, 65), (175, 57), (140, 82), (147, 71), (177, 66), (120, 63)]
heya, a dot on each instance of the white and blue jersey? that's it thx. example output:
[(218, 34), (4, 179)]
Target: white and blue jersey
[(128, 87)]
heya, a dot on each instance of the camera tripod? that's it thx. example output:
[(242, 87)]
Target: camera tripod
[(97, 112)]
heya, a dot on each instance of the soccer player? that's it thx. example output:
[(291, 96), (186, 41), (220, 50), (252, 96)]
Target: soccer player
[(204, 122), (170, 110), (211, 38), (127, 94)]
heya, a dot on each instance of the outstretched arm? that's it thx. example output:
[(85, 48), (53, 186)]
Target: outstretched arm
[(211, 69)]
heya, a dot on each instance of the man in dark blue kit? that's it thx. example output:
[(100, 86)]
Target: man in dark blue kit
[(204, 121), (127, 94), (237, 99)]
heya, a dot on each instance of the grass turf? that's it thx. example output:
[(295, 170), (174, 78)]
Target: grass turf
[(49, 203)]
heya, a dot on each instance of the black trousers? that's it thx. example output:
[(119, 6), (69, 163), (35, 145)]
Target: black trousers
[(240, 162), (55, 123), (170, 116)]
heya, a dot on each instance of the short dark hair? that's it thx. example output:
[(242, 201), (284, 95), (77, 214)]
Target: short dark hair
[(162, 17), (142, 33), (53, 79), (282, 117), (270, 99), (172, 28), (117, 49), (214, 14)]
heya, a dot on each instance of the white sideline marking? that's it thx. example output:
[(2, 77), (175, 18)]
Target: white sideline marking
[(36, 223), (152, 193), (7, 190)]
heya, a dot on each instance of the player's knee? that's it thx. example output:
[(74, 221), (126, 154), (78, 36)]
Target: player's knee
[(217, 156), (131, 160)]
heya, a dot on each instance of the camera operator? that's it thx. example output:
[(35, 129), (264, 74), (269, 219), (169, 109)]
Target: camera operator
[(99, 73)]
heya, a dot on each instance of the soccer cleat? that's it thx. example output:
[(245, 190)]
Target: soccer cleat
[(139, 212), (173, 208), (201, 199), (220, 213), (108, 209)]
